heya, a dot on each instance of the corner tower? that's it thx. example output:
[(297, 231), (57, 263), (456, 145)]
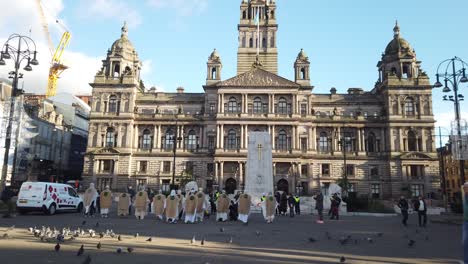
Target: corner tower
[(257, 35)]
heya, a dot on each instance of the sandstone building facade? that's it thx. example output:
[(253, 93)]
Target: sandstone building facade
[(386, 134)]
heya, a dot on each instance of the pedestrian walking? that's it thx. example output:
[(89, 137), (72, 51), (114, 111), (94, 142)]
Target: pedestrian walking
[(403, 205), (421, 208), (297, 204), (291, 205), (319, 206), (335, 207)]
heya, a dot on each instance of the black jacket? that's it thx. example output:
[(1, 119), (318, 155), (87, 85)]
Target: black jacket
[(318, 201), (416, 205), (403, 204)]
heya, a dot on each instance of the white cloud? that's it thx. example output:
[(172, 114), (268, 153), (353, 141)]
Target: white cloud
[(23, 18), (147, 74), (181, 7), (111, 9)]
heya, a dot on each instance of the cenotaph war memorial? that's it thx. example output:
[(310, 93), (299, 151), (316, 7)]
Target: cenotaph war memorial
[(259, 175)]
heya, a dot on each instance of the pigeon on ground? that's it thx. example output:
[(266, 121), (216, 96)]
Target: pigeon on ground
[(202, 241), (257, 233), (149, 239), (57, 247), (119, 250), (411, 243), (5, 236), (101, 235), (87, 260), (370, 240), (80, 251), (312, 240), (83, 223), (119, 238), (342, 259), (99, 245), (221, 229), (230, 240), (97, 224), (31, 230), (130, 249), (11, 228), (193, 241), (136, 235)]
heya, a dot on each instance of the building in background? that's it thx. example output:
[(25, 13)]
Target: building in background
[(450, 172), (386, 134), (50, 137)]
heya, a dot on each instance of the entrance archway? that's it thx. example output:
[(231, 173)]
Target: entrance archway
[(282, 185), (231, 186)]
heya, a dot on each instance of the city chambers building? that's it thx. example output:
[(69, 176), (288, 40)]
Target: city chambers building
[(382, 139)]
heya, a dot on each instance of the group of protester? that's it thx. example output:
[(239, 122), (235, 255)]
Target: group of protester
[(192, 207), (287, 202), (334, 211)]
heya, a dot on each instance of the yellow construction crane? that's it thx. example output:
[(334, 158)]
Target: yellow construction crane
[(56, 67)]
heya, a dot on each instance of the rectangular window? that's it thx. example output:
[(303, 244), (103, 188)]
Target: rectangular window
[(374, 172), (303, 109), (304, 144), (375, 190), (211, 143), (210, 169), (141, 182), (107, 166), (143, 166), (326, 169), (166, 166), (212, 108), (350, 170), (416, 190), (305, 170), (166, 186)]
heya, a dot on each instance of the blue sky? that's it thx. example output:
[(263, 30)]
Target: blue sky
[(344, 39)]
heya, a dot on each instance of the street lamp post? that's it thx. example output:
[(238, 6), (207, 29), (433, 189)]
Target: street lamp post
[(342, 142), (175, 140), (25, 51), (455, 77)]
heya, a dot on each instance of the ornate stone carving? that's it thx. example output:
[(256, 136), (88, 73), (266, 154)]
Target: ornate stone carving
[(258, 78)]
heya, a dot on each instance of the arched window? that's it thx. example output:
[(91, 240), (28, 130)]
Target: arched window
[(116, 72), (192, 140), (323, 142), (110, 138), (232, 105), (146, 139), (169, 139), (214, 73), (257, 105), (232, 139), (412, 141), (282, 106), (244, 15), (272, 42), (409, 106), (303, 74), (264, 43), (282, 140), (251, 42), (272, 14), (113, 104), (371, 142)]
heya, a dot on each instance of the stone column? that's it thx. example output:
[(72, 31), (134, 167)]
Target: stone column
[(273, 137), (392, 141), (99, 136), (218, 141), (400, 138), (222, 136), (219, 103), (242, 136), (383, 146), (423, 141), (293, 137), (246, 140), (360, 141), (314, 138), (216, 170), (119, 136), (221, 182), (222, 103), (135, 137)]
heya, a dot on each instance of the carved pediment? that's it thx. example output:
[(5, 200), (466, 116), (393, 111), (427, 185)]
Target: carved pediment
[(106, 151), (415, 155), (257, 77)]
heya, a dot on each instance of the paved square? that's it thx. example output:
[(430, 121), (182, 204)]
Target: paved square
[(284, 241)]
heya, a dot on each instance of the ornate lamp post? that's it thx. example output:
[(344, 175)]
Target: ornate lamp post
[(23, 51), (454, 75), (175, 140)]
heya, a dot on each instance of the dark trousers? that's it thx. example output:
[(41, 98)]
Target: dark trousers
[(422, 216), (291, 211), (334, 213), (298, 209), (404, 214), (320, 214)]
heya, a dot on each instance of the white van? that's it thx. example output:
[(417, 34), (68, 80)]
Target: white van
[(48, 197)]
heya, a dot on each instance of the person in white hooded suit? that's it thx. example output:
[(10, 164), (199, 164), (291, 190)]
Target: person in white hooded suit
[(89, 199)]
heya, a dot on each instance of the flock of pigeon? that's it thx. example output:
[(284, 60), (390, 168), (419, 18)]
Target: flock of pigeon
[(58, 237)]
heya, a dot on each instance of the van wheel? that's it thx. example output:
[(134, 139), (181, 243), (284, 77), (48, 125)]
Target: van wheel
[(52, 209), (79, 209)]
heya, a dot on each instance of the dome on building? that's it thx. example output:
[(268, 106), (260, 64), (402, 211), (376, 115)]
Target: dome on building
[(398, 44), (302, 55), (123, 43), (214, 55)]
